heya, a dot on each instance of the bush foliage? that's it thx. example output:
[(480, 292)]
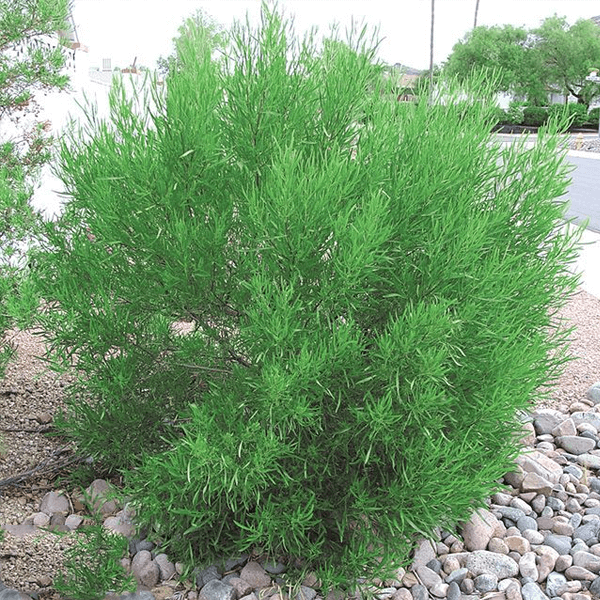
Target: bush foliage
[(574, 115), (535, 116), (304, 314), (592, 117)]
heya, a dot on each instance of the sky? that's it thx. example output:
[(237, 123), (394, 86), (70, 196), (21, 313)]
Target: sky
[(125, 29)]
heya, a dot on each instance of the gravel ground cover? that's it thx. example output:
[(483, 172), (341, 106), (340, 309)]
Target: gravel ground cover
[(30, 396), (585, 145)]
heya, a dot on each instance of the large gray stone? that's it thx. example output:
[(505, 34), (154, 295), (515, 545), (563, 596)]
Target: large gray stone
[(587, 560), (527, 566), (101, 494), (243, 588), (532, 591), (591, 461), (167, 568), (255, 575), (453, 591), (545, 561), (305, 593), (536, 462), (203, 576), (574, 470), (120, 524), (482, 561), (275, 568), (587, 417), (479, 530), (234, 562), (424, 552), (546, 419), (595, 587), (554, 583), (486, 582), (575, 444), (428, 577), (561, 543), (527, 523), (139, 595), (593, 393), (55, 503), (457, 575), (587, 531), (10, 594), (579, 573), (144, 569), (566, 427), (215, 589), (419, 592), (508, 512)]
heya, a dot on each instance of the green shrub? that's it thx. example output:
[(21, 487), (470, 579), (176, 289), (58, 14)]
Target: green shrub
[(23, 150), (500, 116), (535, 116), (515, 112), (575, 115), (369, 291), (593, 117), (92, 566)]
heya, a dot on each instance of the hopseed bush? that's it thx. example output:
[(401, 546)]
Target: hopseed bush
[(515, 112), (573, 114), (93, 565), (304, 314), (592, 117), (535, 116)]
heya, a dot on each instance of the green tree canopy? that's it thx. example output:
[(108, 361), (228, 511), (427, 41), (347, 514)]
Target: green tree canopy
[(503, 48), (215, 37), (26, 65), (567, 54), (554, 57)]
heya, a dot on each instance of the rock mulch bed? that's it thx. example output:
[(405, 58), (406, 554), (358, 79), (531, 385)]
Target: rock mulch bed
[(585, 145), (539, 539)]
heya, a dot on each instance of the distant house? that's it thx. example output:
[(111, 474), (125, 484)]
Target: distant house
[(404, 80)]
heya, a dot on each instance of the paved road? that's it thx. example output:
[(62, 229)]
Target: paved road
[(584, 191)]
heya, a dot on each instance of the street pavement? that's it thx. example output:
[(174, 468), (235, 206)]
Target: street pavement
[(584, 191), (583, 195), (584, 205)]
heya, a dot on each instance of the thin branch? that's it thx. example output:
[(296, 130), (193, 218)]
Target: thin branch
[(238, 359), (51, 465), (199, 368), (27, 430)]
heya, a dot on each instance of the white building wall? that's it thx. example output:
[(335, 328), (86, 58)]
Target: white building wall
[(88, 85)]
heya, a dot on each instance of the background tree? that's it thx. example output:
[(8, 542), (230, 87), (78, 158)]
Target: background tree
[(567, 54), (502, 48), (27, 64), (532, 63), (215, 36)]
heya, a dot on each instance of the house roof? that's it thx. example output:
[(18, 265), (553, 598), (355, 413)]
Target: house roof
[(70, 34), (406, 70), (403, 76)]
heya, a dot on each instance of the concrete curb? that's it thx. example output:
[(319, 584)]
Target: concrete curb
[(588, 262)]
